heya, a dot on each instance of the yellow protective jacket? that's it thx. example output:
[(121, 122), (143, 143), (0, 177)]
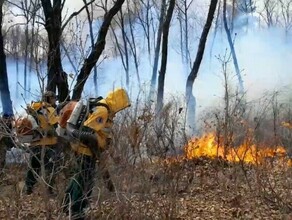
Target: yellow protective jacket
[(100, 120), (47, 120)]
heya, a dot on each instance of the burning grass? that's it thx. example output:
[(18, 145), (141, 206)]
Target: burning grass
[(210, 146)]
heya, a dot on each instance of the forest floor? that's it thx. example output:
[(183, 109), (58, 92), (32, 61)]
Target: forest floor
[(172, 189)]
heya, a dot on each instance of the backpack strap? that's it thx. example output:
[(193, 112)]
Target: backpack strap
[(82, 116), (104, 105), (94, 102)]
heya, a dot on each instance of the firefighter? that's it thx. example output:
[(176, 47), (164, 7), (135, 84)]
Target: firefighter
[(89, 127), (44, 141)]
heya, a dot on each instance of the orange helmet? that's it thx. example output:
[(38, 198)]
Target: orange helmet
[(25, 125)]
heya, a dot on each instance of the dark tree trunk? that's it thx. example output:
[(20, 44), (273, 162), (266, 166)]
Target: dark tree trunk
[(157, 50), (4, 86), (90, 19), (232, 49), (161, 77), (57, 78), (186, 23), (190, 99), (96, 51), (201, 48), (125, 49), (215, 29)]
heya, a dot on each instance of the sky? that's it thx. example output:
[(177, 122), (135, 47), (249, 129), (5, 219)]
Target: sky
[(263, 56)]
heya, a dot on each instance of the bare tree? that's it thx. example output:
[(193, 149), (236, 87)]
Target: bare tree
[(246, 7), (28, 13), (183, 17), (123, 48), (53, 26), (190, 98), (132, 40), (215, 28), (14, 36), (127, 46), (145, 17), (269, 13), (286, 9), (157, 49), (4, 86), (96, 51), (90, 19), (164, 50), (57, 77), (232, 49)]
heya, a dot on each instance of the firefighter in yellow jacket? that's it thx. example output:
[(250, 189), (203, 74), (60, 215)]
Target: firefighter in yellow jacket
[(90, 125), (39, 130)]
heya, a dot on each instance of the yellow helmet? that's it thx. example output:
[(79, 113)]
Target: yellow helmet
[(118, 100)]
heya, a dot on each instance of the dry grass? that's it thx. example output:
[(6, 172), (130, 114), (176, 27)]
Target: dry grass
[(169, 189), (152, 184)]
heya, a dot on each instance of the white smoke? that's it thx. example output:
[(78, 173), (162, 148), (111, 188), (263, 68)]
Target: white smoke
[(263, 56)]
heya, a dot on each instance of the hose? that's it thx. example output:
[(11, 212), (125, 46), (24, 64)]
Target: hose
[(87, 138)]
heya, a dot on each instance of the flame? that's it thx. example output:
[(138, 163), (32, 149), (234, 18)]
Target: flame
[(207, 146)]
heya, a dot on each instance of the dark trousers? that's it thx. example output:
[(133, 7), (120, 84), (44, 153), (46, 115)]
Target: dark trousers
[(2, 155), (6, 143), (50, 162), (80, 186)]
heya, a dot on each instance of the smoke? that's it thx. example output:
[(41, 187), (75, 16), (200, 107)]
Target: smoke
[(263, 55)]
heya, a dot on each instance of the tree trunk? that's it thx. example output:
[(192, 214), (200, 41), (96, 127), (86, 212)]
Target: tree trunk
[(180, 20), (96, 51), (232, 49), (26, 60), (125, 49), (186, 33), (161, 77), (132, 44), (215, 29), (190, 98), (57, 78), (90, 18), (157, 50), (4, 86)]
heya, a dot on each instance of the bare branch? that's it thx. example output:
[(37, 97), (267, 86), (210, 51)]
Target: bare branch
[(12, 3), (188, 6), (11, 26), (41, 23), (75, 14), (62, 4), (97, 50)]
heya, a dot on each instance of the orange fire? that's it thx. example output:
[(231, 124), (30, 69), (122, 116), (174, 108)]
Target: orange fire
[(207, 146)]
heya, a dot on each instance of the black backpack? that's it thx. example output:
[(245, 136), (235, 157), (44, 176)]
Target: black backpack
[(92, 103)]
